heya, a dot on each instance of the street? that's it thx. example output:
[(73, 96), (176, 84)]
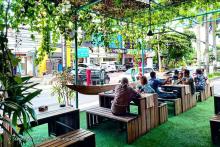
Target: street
[(85, 101)]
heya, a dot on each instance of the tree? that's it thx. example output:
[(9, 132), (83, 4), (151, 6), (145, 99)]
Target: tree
[(176, 47)]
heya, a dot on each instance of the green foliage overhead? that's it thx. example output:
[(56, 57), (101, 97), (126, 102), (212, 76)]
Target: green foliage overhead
[(51, 17)]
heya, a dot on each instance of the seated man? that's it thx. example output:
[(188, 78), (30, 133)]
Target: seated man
[(188, 80), (175, 78), (123, 96), (155, 83), (145, 87), (200, 80)]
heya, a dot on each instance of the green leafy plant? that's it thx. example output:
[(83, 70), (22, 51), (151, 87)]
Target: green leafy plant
[(63, 93), (16, 92)]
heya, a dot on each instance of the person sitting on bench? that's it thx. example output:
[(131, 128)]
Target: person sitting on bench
[(175, 77), (200, 80), (188, 80), (123, 96), (144, 86), (155, 83)]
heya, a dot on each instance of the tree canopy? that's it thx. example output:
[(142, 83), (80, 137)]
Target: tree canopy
[(175, 47), (51, 18)]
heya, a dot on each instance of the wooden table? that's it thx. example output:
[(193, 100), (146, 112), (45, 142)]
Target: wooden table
[(60, 120), (187, 99), (147, 111)]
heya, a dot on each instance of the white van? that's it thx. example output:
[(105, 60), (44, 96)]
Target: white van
[(109, 66)]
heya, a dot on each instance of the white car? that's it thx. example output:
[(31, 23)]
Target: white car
[(90, 66), (109, 67), (128, 73)]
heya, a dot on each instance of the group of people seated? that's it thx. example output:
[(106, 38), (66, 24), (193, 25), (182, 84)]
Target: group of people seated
[(124, 94)]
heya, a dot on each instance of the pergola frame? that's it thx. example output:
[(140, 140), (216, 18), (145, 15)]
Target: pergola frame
[(123, 19), (93, 2)]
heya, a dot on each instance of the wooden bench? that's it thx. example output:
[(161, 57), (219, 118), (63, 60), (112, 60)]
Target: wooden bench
[(212, 90), (176, 102), (202, 96), (215, 129), (77, 138), (94, 114), (162, 112)]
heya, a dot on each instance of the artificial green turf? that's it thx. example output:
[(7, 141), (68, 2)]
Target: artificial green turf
[(190, 129)]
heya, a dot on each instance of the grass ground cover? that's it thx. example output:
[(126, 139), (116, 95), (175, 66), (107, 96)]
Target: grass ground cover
[(190, 129)]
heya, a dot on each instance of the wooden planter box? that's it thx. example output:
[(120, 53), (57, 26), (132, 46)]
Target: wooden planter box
[(217, 104), (215, 129), (163, 112)]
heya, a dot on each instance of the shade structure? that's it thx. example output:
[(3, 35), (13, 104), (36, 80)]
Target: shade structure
[(123, 9)]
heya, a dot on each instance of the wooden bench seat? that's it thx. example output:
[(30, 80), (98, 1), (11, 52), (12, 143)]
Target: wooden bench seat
[(105, 112), (77, 138), (95, 115), (176, 102)]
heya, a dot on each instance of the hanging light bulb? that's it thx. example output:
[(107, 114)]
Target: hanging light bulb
[(150, 32)]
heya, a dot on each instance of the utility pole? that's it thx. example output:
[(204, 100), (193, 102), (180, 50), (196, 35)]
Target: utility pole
[(64, 52), (214, 42)]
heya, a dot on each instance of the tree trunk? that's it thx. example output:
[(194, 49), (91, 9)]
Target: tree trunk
[(206, 44), (198, 46), (214, 41)]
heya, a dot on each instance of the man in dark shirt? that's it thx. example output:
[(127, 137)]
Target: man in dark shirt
[(156, 83), (188, 80), (200, 80), (123, 96)]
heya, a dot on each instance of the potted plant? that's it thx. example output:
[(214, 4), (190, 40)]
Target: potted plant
[(63, 93)]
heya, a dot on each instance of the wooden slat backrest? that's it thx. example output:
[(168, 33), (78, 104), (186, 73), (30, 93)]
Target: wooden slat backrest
[(6, 137)]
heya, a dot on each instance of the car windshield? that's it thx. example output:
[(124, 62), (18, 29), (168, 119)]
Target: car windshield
[(148, 70)]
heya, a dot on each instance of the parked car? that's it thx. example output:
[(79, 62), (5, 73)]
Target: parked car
[(129, 65), (128, 73), (120, 67), (97, 76), (155, 67), (109, 67), (90, 66), (170, 73)]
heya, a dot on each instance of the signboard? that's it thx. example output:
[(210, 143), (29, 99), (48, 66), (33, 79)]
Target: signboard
[(97, 40), (117, 45), (83, 52)]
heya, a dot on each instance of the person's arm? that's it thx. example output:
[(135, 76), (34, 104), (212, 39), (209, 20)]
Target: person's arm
[(159, 82), (187, 81), (135, 94)]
